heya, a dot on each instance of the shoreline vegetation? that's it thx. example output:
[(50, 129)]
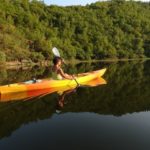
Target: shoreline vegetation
[(28, 64), (104, 31)]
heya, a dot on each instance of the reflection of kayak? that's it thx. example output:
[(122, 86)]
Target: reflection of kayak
[(50, 84), (27, 95)]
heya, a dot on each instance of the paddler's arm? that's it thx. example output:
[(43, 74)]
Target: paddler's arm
[(65, 75)]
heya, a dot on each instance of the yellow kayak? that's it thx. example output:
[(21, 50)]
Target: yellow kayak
[(82, 79), (27, 95)]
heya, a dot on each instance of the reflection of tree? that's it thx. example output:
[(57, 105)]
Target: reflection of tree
[(127, 91), (3, 74), (14, 114), (21, 74)]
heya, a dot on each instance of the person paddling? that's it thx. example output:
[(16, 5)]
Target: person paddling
[(57, 71)]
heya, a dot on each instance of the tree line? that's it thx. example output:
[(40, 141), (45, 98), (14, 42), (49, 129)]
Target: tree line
[(111, 29)]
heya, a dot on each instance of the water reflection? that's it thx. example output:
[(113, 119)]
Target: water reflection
[(127, 91), (34, 102), (62, 99), (63, 94)]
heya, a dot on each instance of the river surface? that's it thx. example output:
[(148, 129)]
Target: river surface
[(112, 116)]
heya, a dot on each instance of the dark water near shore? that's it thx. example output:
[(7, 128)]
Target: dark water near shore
[(112, 116)]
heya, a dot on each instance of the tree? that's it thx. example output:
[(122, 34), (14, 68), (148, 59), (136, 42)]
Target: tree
[(2, 57), (97, 31)]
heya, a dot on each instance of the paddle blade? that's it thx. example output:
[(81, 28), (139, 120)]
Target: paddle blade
[(55, 52)]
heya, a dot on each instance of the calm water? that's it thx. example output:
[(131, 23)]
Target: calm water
[(113, 116)]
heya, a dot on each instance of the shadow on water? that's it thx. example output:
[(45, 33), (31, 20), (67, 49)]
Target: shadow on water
[(127, 91)]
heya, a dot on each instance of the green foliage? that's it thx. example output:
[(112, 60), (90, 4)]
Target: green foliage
[(2, 57), (97, 31), (36, 57)]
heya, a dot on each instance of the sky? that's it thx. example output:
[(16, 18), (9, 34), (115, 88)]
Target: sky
[(73, 2), (69, 2)]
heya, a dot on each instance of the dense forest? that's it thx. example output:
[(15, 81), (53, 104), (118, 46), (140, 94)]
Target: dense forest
[(111, 29)]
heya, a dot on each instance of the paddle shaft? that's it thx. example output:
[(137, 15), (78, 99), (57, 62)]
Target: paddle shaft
[(76, 81)]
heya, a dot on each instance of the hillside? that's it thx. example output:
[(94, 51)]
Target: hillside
[(113, 29)]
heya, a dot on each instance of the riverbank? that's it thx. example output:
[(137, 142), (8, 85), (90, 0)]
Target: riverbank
[(107, 60), (23, 64), (28, 64)]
